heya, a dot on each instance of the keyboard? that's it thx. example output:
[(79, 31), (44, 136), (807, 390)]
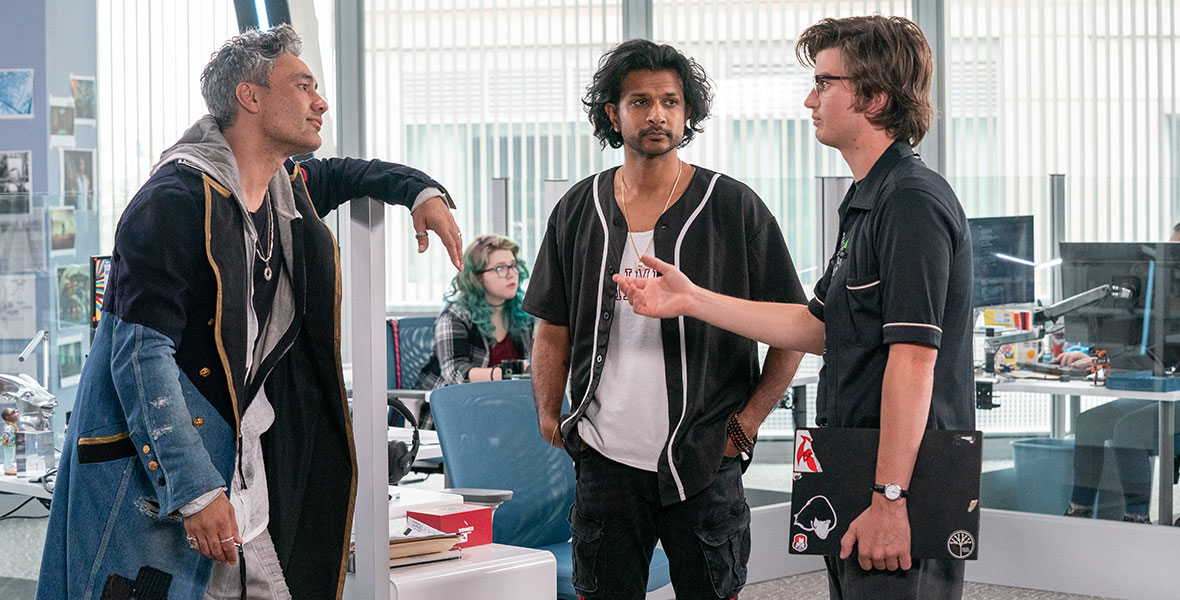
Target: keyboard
[(1051, 369)]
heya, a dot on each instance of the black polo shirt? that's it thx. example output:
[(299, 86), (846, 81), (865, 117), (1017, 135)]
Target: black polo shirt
[(724, 238), (901, 274)]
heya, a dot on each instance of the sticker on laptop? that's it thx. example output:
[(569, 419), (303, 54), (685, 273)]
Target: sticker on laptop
[(817, 516), (960, 544), (800, 542), (805, 459)]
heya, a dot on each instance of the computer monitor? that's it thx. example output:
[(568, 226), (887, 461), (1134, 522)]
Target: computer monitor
[(1002, 257), (1141, 332)]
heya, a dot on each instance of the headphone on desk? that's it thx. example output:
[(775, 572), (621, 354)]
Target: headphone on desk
[(401, 457)]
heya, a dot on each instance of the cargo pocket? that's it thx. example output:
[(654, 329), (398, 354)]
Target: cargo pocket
[(726, 545), (587, 537)]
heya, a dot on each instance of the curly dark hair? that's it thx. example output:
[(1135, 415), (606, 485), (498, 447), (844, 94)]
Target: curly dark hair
[(645, 55)]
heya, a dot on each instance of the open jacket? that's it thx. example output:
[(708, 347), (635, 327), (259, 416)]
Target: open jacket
[(459, 347), (156, 422)]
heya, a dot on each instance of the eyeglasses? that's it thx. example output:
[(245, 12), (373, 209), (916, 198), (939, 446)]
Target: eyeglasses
[(823, 81), (502, 270)]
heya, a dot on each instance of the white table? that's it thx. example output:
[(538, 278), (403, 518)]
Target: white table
[(21, 485), (490, 571), (1076, 389)]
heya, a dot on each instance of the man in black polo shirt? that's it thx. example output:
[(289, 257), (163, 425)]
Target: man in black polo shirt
[(661, 409), (892, 313)]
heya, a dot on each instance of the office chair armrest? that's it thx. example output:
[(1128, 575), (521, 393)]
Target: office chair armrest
[(482, 496)]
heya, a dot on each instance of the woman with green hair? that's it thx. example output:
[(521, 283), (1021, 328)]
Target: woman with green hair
[(482, 324)]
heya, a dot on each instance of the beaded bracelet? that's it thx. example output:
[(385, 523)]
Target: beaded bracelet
[(738, 436)]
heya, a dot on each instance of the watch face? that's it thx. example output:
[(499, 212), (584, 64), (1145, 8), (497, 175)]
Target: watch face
[(893, 491)]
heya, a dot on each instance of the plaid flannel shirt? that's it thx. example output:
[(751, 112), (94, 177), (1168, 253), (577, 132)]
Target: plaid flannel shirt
[(460, 347)]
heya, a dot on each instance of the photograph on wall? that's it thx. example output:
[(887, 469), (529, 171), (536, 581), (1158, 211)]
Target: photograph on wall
[(63, 231), (22, 243), (61, 121), (77, 178), (73, 296), (16, 93), (18, 307), (85, 100), (16, 176), (69, 360)]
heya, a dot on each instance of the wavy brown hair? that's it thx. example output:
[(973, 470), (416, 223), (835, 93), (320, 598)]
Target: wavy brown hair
[(884, 55)]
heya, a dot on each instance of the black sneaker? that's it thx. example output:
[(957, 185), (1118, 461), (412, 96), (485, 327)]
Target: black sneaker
[(1083, 512), (1137, 519)]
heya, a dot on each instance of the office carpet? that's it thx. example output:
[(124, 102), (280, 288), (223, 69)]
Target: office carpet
[(814, 586)]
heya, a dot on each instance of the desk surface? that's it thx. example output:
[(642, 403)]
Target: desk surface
[(1078, 388), (21, 485), (488, 571)]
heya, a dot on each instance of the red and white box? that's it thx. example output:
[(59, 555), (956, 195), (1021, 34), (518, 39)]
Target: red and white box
[(472, 523)]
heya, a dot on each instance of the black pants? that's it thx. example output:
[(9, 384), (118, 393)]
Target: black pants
[(617, 518), (926, 579)]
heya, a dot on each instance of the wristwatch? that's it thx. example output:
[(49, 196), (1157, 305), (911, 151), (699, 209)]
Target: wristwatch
[(891, 491)]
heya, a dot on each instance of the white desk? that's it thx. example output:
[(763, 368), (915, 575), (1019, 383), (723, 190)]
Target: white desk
[(1076, 389), (21, 485), (490, 571)]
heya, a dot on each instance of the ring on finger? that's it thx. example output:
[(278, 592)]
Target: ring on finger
[(228, 539), (192, 542), (421, 234)]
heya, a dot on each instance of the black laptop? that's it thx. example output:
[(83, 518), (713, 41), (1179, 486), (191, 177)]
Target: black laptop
[(834, 472)]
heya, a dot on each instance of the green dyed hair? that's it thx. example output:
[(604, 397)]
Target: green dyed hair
[(467, 290)]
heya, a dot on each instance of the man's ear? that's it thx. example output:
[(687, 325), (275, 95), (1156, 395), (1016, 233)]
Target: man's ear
[(247, 98), (877, 104), (612, 113)]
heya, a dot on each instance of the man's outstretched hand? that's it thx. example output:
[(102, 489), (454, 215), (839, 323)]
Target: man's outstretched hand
[(670, 295)]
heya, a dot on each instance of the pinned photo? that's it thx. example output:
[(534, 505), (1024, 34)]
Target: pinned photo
[(73, 296), (77, 178), (16, 93), (69, 361), (16, 188), (63, 231), (61, 121), (82, 89)]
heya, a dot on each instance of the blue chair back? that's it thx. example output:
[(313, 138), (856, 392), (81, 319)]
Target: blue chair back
[(409, 343), (489, 437)]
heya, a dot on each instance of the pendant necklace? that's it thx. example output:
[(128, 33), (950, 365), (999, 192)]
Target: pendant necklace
[(270, 238), (630, 235)]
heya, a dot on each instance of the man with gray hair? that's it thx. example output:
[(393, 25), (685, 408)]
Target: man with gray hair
[(210, 451)]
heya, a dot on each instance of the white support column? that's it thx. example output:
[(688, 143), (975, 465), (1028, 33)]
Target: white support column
[(930, 15), (371, 515)]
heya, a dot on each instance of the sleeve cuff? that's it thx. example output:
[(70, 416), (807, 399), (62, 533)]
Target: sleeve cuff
[(200, 503), (816, 308), (429, 193), (911, 333)]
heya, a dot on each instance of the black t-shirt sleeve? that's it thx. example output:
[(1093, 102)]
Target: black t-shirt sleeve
[(772, 272), (548, 294), (816, 305), (914, 236)]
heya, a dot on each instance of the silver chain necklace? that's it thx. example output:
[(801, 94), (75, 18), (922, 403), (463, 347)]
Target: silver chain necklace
[(270, 238)]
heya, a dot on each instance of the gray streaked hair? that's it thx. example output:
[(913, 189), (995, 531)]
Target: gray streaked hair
[(247, 57)]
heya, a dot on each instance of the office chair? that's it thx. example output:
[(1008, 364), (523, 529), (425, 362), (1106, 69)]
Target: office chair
[(488, 432), (410, 342)]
